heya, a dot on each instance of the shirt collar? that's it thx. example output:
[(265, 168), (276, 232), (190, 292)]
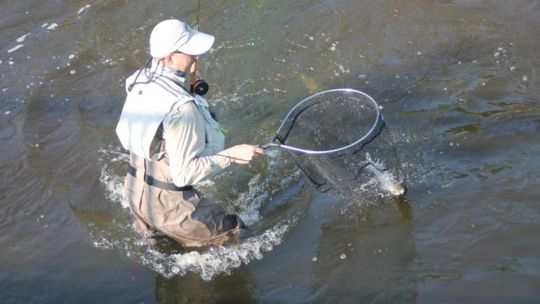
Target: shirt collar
[(160, 69)]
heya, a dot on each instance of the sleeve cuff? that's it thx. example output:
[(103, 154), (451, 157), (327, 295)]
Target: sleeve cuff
[(223, 159)]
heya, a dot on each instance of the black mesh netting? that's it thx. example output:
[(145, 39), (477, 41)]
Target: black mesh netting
[(346, 124), (335, 121)]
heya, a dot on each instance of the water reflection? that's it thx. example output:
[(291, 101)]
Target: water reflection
[(236, 288), (367, 257)]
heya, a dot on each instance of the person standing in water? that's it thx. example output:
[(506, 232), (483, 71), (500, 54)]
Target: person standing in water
[(174, 143)]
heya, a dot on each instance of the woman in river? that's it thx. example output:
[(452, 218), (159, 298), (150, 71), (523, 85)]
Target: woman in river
[(175, 142)]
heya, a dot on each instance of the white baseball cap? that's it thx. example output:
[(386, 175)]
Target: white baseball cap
[(174, 35)]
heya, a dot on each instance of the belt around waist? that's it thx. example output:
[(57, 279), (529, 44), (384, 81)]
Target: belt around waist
[(157, 183)]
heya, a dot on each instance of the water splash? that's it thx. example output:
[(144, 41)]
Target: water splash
[(215, 260), (114, 184)]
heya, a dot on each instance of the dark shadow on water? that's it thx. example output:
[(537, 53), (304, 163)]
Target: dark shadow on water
[(190, 288)]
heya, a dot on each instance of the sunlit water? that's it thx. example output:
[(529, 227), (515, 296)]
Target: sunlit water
[(458, 83)]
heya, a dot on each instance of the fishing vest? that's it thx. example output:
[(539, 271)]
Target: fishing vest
[(149, 99)]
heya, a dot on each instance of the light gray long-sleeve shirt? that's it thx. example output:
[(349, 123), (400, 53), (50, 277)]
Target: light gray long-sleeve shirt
[(194, 143)]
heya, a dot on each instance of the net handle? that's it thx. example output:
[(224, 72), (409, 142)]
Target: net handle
[(295, 149), (274, 144)]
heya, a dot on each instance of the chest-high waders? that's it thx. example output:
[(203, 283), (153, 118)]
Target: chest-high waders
[(181, 213)]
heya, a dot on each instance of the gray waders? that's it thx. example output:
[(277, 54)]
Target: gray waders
[(181, 213)]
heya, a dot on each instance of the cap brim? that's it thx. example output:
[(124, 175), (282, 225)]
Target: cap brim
[(199, 43)]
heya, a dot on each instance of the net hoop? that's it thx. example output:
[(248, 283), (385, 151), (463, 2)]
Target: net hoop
[(379, 120)]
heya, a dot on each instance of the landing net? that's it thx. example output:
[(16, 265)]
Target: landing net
[(339, 140)]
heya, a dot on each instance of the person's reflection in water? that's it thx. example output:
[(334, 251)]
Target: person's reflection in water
[(236, 288), (367, 258)]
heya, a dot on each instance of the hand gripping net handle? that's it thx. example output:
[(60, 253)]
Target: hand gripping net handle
[(289, 120)]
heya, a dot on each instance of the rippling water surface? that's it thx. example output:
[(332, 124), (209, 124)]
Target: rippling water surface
[(459, 84)]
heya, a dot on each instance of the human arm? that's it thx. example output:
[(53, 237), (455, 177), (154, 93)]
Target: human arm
[(242, 154), (186, 145), (191, 157)]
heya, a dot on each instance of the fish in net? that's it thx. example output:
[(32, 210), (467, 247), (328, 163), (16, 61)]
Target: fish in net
[(339, 140)]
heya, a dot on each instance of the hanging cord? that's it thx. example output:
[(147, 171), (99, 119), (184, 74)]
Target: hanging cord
[(146, 66), (197, 86)]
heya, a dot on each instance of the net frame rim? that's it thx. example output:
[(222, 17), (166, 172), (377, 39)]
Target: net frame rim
[(376, 123)]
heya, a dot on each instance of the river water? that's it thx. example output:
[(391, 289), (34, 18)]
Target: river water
[(458, 82)]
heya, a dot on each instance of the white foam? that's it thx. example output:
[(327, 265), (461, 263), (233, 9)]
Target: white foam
[(333, 47), (82, 9), (220, 260), (21, 39), (252, 200), (52, 26), (18, 46), (343, 70), (114, 185)]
